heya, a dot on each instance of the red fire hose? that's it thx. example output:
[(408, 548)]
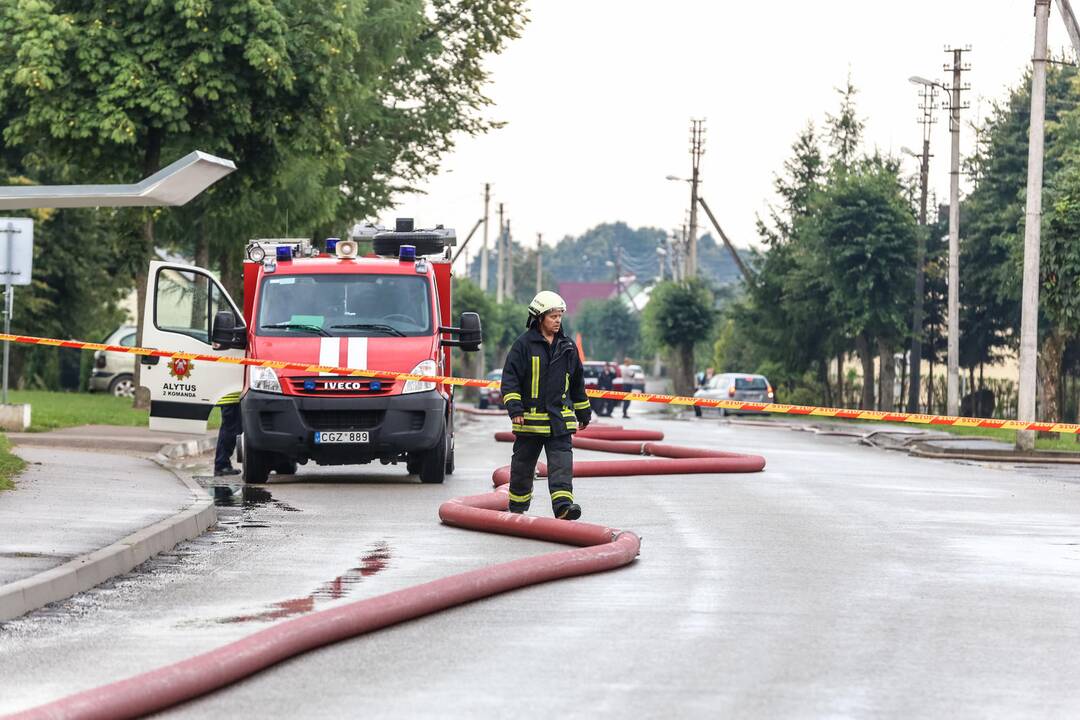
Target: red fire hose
[(598, 548)]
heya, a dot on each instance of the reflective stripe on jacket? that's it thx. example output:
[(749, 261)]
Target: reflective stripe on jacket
[(544, 384), (230, 399)]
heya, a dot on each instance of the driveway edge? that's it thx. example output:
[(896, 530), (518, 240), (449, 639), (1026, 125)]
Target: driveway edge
[(92, 569)]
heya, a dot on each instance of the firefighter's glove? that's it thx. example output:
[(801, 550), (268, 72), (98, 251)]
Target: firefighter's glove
[(584, 417)]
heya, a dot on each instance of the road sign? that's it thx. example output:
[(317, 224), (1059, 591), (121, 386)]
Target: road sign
[(16, 265), (16, 250)]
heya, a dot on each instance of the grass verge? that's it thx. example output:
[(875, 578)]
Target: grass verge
[(1060, 442), (10, 465), (55, 410)]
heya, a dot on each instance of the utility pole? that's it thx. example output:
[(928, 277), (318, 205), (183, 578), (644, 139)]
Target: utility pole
[(509, 262), (697, 149), (727, 243), (1029, 314), (484, 251), (671, 242), (621, 289), (929, 93), (953, 383), (499, 260), (539, 263)]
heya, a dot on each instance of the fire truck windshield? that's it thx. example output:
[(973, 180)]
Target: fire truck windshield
[(345, 304)]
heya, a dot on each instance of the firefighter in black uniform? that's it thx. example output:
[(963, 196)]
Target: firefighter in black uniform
[(543, 388)]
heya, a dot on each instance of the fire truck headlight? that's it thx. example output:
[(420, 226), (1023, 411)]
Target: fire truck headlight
[(265, 379), (428, 367)]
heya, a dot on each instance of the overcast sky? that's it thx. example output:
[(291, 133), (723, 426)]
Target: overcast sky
[(597, 96)]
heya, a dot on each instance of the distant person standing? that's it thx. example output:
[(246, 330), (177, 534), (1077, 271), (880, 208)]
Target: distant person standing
[(606, 381), (627, 382), (231, 427)]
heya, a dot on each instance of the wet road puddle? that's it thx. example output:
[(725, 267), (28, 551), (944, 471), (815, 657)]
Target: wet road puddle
[(372, 562), (239, 506)]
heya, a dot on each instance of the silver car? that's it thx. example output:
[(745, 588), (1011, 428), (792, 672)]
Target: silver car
[(735, 386), (114, 372)]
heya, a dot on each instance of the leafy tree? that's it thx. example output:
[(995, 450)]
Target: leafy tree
[(610, 330), (679, 316), (863, 234), (782, 314), (845, 129), (992, 216), (348, 101), (1059, 301)]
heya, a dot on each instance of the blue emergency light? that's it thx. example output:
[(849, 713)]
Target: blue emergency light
[(284, 253), (331, 245), (375, 386), (407, 253)]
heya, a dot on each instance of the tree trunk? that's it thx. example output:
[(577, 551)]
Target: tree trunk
[(151, 164), (202, 246), (887, 399), (823, 375), (1049, 373), (840, 378), (971, 389), (231, 280), (903, 382), (683, 375), (930, 389), (866, 355)]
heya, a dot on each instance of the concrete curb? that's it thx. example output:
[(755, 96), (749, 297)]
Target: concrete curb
[(92, 569), (188, 448), (922, 450)]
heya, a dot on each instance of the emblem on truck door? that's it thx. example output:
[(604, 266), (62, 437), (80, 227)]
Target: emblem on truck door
[(180, 368)]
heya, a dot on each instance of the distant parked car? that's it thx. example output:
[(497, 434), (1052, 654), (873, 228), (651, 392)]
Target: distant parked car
[(114, 372), (489, 396), (736, 386)]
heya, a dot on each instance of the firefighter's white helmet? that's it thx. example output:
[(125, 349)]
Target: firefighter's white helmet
[(544, 302)]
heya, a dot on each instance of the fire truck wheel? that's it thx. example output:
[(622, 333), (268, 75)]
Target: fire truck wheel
[(433, 464), (697, 411), (256, 466)]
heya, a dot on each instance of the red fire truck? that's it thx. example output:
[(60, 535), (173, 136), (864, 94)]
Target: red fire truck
[(388, 310)]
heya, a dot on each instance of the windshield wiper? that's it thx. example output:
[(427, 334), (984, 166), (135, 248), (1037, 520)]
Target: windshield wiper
[(298, 326), (370, 326)]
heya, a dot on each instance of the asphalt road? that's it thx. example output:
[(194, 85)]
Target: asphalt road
[(843, 581)]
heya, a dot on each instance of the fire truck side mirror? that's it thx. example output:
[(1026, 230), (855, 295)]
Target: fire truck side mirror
[(225, 332), (471, 335)]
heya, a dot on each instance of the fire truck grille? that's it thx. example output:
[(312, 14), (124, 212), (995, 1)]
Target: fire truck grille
[(342, 419), (308, 385)]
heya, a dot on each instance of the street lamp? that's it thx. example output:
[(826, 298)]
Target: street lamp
[(176, 184), (953, 382)]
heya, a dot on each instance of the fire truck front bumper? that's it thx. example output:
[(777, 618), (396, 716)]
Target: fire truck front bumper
[(350, 430)]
